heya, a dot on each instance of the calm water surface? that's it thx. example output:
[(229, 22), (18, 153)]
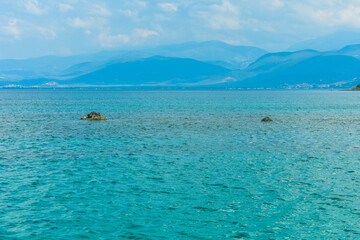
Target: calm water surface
[(179, 165)]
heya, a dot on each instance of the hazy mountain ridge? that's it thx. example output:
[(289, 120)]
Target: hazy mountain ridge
[(215, 52), (154, 70), (322, 71), (302, 69), (208, 67)]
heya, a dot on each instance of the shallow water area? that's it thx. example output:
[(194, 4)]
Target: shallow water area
[(179, 165)]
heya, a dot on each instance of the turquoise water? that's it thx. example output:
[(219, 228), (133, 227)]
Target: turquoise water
[(179, 165)]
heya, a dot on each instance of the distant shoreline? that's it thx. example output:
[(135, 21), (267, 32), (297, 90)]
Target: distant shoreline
[(168, 89)]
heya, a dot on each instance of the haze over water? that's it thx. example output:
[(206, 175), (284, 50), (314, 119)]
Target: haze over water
[(179, 165)]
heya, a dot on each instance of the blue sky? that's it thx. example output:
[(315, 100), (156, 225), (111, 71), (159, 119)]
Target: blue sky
[(66, 27)]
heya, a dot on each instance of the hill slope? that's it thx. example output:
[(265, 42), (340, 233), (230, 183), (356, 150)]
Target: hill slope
[(320, 71), (301, 69), (214, 52), (149, 71)]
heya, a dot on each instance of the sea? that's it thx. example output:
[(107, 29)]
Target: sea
[(178, 164)]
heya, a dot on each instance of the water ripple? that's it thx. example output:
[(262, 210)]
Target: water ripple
[(179, 165)]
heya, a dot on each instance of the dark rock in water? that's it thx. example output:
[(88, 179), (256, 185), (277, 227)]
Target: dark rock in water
[(267, 119), (357, 88), (94, 116)]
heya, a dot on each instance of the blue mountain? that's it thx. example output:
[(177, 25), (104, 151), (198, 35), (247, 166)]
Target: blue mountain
[(154, 70), (351, 50), (275, 60), (299, 69), (150, 71), (215, 52), (320, 71)]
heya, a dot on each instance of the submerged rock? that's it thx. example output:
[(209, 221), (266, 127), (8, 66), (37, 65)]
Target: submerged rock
[(267, 119), (94, 116)]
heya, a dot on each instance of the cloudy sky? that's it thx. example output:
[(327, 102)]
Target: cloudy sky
[(66, 27)]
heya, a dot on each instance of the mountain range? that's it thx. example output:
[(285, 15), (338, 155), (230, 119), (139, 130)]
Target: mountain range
[(211, 64)]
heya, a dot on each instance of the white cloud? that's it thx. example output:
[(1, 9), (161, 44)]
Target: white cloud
[(225, 7), (46, 33), (100, 10), (107, 40), (12, 29), (19, 29), (134, 37), (129, 13), (65, 7), (222, 16), (134, 22), (328, 14), (168, 7), (139, 3), (144, 33), (223, 22), (162, 17), (32, 7), (89, 24), (277, 4), (77, 23)]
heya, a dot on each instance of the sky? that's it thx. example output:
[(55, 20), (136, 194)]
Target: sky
[(30, 28)]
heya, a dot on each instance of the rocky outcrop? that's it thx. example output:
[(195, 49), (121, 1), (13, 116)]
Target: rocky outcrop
[(267, 119), (94, 116), (357, 88)]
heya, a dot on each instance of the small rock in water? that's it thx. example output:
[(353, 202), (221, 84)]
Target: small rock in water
[(267, 119), (94, 116)]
